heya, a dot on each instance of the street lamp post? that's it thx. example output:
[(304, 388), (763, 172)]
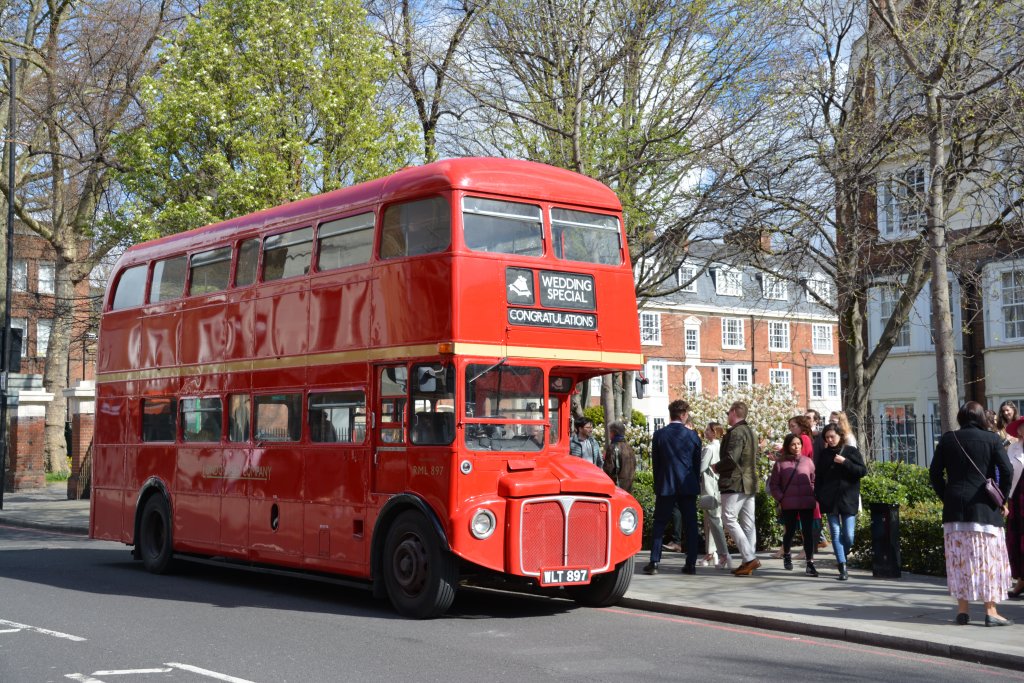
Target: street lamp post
[(5, 343)]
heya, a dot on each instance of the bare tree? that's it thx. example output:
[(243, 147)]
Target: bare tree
[(426, 40), (81, 66), (955, 59)]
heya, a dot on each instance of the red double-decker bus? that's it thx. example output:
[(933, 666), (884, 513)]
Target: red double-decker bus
[(375, 383)]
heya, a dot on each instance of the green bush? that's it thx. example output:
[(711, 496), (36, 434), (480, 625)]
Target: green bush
[(921, 542), (643, 491), (766, 521), (913, 478), (878, 488)]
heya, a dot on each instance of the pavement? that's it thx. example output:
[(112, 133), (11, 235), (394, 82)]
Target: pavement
[(913, 613)]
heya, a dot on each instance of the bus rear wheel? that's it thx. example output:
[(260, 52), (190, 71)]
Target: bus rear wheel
[(420, 576), (605, 589), (155, 547)]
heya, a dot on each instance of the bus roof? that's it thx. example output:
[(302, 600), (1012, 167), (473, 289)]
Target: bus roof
[(509, 177)]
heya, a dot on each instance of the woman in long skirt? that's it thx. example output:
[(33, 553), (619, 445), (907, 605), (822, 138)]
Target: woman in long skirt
[(977, 566)]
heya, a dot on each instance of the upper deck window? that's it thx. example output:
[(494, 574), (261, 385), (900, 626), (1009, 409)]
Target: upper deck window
[(503, 227), (168, 279), (345, 242), (585, 236), (248, 260), (288, 254), (131, 288), (210, 271), (420, 227)]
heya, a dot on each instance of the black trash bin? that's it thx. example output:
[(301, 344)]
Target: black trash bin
[(885, 540)]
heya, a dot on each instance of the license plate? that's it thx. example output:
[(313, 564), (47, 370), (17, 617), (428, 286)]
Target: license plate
[(564, 577)]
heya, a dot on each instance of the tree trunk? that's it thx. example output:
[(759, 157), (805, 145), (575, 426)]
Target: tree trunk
[(56, 369), (627, 397), (608, 403), (942, 323)]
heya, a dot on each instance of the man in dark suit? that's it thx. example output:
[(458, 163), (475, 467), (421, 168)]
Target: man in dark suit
[(675, 457)]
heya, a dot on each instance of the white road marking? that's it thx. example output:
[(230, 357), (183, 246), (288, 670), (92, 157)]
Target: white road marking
[(44, 631), (206, 672), (128, 672), (82, 678), (10, 630)]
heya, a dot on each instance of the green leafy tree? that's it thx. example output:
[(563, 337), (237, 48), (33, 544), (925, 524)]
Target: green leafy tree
[(260, 102)]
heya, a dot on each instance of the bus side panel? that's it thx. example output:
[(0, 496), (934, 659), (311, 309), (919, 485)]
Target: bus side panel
[(120, 345), (197, 485), (107, 494), (281, 321), (216, 331), (338, 316), (335, 483), (234, 505), (275, 476), (160, 339), (412, 302)]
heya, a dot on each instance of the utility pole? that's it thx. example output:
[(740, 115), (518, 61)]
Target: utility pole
[(5, 343)]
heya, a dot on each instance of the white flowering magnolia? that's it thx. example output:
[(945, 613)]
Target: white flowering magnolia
[(769, 408)]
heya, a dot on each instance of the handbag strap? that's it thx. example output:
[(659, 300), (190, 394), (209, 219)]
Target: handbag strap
[(790, 480), (964, 450)]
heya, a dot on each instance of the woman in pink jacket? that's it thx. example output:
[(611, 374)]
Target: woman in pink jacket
[(792, 485)]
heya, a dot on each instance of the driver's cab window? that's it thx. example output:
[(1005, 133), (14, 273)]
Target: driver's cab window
[(504, 409), (392, 392), (433, 404)]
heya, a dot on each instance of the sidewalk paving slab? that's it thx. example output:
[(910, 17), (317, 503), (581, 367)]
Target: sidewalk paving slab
[(914, 613)]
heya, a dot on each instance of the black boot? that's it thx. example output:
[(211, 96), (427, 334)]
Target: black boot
[(810, 570), (843, 576), (787, 561)]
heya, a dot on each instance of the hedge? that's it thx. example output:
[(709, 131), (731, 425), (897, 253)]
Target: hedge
[(921, 543)]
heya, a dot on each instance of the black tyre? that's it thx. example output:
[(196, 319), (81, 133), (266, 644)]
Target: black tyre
[(604, 589), (154, 542), (420, 576)]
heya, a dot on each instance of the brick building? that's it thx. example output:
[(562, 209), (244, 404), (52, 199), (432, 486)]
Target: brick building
[(737, 325)]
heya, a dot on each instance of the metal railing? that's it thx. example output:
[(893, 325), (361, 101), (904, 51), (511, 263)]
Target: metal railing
[(911, 439)]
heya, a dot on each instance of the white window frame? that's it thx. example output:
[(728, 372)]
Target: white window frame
[(1010, 330), (728, 281), (691, 341), (888, 296), (818, 285), (733, 375), (43, 330), (694, 382), (687, 274), (821, 338), (782, 377), (46, 277), (774, 288), (595, 385), (656, 372), (22, 324), (650, 329), (730, 336), (827, 382), (901, 203), (778, 335), (19, 275)]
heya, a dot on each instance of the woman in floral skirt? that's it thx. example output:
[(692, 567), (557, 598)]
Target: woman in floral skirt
[(977, 567)]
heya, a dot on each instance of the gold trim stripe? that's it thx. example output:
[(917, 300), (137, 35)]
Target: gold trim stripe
[(369, 355)]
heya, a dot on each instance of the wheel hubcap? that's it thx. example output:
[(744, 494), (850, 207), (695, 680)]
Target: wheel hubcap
[(410, 565)]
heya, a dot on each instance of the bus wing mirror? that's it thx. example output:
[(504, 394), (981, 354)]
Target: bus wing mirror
[(426, 380), (641, 383)]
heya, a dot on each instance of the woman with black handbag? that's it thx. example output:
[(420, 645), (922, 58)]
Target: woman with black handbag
[(838, 470), (791, 484), (968, 463)]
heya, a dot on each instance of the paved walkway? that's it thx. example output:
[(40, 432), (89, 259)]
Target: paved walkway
[(914, 613)]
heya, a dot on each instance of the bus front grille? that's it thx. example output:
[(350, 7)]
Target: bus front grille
[(564, 532)]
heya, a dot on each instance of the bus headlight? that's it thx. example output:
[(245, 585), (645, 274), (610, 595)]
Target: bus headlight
[(483, 524), (627, 521)]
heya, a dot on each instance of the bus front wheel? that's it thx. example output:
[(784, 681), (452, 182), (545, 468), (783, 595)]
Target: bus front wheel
[(155, 535), (420, 576), (605, 589)]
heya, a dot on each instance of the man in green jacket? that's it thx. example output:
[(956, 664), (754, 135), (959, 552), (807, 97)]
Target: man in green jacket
[(737, 482)]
